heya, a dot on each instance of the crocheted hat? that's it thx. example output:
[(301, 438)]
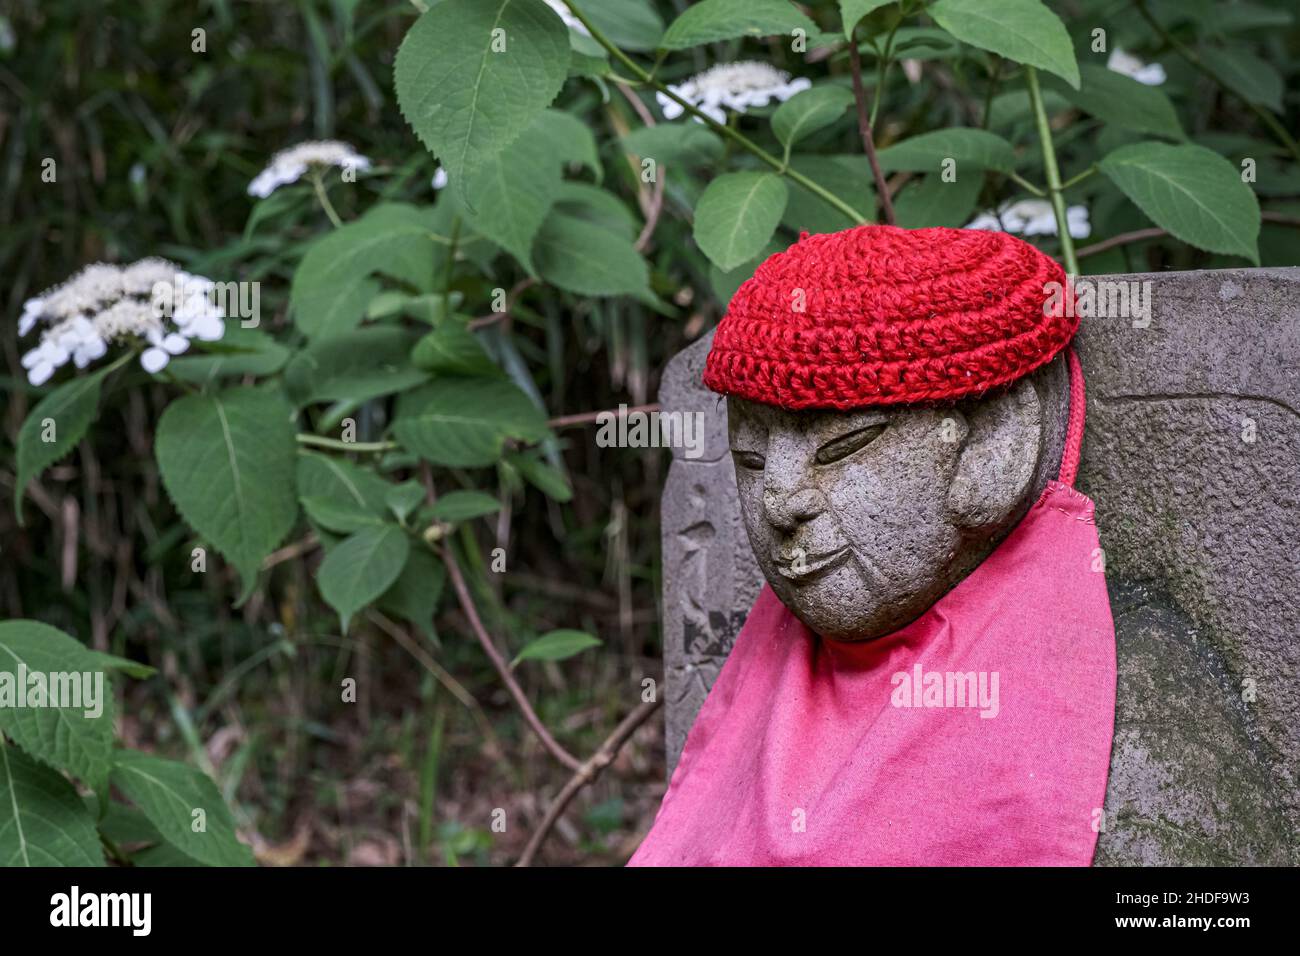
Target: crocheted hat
[(879, 315)]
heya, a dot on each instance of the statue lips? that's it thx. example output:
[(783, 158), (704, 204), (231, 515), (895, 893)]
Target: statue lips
[(812, 567)]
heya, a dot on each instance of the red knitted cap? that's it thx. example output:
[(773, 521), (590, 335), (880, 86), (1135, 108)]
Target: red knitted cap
[(879, 315)]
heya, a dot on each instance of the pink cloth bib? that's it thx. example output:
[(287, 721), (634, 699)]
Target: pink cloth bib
[(979, 734)]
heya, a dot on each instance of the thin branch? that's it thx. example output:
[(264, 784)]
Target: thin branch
[(291, 552), (502, 668), (492, 318), (587, 773), (653, 206), (1154, 232), (440, 673), (864, 127), (588, 418)]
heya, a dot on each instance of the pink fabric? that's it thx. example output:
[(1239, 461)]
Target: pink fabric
[(802, 756)]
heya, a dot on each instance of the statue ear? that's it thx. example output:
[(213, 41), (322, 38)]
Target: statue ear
[(1000, 456)]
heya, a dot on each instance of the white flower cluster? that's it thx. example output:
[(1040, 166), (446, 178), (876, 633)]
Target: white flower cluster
[(570, 21), (152, 299), (1148, 74), (1033, 217), (289, 165), (733, 86)]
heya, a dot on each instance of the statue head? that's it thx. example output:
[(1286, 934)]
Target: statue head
[(873, 477)]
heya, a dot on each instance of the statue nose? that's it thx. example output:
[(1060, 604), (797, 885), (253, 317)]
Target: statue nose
[(787, 510)]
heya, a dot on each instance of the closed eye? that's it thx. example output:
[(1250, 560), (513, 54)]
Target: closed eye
[(840, 448), (748, 459)]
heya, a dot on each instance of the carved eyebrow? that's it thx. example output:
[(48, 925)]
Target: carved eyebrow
[(851, 441)]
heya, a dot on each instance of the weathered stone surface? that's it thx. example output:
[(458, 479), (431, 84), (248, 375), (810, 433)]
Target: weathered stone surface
[(1192, 453)]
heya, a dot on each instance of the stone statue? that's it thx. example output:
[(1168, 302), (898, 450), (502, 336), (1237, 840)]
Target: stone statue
[(1204, 761), (1191, 454), (858, 552)]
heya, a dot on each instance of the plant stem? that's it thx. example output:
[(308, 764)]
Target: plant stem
[(731, 134), (1080, 177), (884, 61), (1053, 173), (1191, 56), (320, 441), (864, 128), (1025, 184), (586, 774), (324, 198), (468, 608)]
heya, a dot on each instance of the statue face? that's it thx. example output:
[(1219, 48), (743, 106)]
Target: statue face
[(861, 520)]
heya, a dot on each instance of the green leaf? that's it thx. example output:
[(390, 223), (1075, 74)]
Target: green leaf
[(556, 646), (240, 351), (548, 480), (334, 284), (628, 24), (599, 207), (467, 101), (1122, 101), (452, 349), (852, 12), (845, 175), (404, 498), (562, 137), (361, 568), (355, 366), (582, 257), (111, 662), (341, 515), (414, 595), (65, 738), (933, 202), (691, 143), (737, 215), (1239, 17), (969, 147), (168, 794), (807, 112), (69, 409), (459, 506), (712, 20), (320, 476), (506, 196), (42, 820), (227, 460), (1243, 71), (1021, 30), (464, 422), (1195, 194)]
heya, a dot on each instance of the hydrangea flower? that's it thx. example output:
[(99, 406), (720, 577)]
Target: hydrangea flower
[(1148, 74), (153, 299), (289, 165), (570, 21), (1033, 217), (735, 87)]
